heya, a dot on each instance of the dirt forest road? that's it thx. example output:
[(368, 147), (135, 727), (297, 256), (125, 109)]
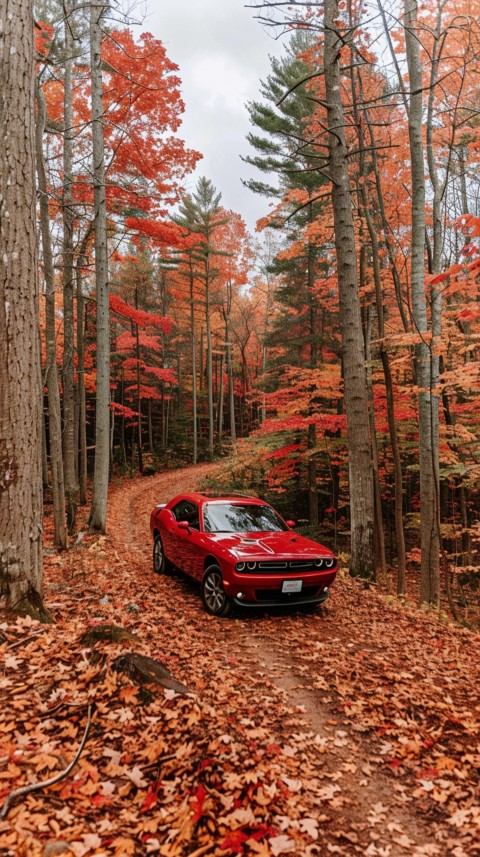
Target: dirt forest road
[(354, 731), (372, 709)]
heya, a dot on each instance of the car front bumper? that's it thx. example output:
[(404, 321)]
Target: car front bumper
[(266, 591)]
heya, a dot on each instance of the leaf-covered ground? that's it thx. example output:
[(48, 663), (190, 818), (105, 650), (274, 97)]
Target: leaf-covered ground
[(354, 731)]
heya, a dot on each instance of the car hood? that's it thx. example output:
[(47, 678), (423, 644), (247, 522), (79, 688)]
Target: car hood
[(269, 545)]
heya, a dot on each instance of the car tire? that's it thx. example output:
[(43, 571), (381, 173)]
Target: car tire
[(160, 562), (215, 599)]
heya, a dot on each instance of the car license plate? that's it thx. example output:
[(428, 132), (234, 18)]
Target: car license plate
[(292, 585)]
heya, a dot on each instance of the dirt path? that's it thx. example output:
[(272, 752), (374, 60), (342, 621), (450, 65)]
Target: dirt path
[(355, 693)]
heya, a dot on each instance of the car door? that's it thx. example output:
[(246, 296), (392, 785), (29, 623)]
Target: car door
[(185, 542)]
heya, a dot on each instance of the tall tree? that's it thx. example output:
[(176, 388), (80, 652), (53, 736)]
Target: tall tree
[(98, 512), (354, 373), (201, 213), (69, 452), (51, 374), (427, 401), (285, 151), (20, 383)]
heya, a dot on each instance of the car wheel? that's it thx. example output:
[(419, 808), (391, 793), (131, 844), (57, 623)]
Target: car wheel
[(160, 563), (215, 600)]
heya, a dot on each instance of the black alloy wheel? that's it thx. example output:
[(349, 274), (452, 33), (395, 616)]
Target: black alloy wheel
[(215, 600), (160, 563)]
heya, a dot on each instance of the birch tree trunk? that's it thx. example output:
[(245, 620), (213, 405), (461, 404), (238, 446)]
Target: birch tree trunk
[(98, 512), (53, 391), (427, 418), (20, 380), (356, 401)]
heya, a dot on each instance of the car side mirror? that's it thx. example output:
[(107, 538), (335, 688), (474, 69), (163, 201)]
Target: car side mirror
[(183, 525), (291, 524)]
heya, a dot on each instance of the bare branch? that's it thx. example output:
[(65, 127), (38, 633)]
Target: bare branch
[(33, 787)]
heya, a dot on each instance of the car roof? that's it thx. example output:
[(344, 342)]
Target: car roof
[(198, 497)]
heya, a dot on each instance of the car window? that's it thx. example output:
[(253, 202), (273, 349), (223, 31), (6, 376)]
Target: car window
[(241, 518), (187, 511)]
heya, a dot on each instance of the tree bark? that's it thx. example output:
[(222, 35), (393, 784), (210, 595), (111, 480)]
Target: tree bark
[(194, 367), (136, 333), (356, 401), (82, 399), (312, 477), (53, 391), (98, 512), (209, 356), (220, 402), (227, 309), (69, 452), (377, 494), (427, 410), (364, 206), (20, 379)]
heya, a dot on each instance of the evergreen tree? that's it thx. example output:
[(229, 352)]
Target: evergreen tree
[(200, 213), (284, 149)]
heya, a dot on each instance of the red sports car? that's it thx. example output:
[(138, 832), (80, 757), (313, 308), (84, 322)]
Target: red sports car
[(241, 551)]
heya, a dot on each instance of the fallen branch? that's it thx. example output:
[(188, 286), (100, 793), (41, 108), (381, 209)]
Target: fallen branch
[(143, 670), (24, 640), (34, 787)]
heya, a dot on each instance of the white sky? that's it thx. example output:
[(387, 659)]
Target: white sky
[(222, 53)]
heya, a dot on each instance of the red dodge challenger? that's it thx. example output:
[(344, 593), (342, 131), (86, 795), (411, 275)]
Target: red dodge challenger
[(241, 551)]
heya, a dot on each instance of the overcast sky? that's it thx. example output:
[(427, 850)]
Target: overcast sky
[(222, 53)]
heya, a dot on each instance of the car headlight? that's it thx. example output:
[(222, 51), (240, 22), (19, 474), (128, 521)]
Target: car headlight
[(240, 566), (251, 566), (318, 563), (330, 562)]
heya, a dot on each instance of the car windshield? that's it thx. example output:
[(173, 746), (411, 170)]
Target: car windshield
[(241, 518)]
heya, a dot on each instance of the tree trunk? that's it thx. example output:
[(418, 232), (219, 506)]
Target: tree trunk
[(427, 412), (69, 455), (194, 371), (312, 300), (312, 477), (356, 402), (365, 211), (220, 404), (209, 358), (139, 392), (82, 399), (20, 379), (53, 392), (98, 513), (45, 482), (150, 427), (377, 495), (231, 391)]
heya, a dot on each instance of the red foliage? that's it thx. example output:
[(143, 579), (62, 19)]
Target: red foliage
[(43, 34), (162, 232), (122, 410), (139, 316)]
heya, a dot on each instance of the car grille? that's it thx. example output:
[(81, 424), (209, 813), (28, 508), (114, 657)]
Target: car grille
[(291, 564)]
